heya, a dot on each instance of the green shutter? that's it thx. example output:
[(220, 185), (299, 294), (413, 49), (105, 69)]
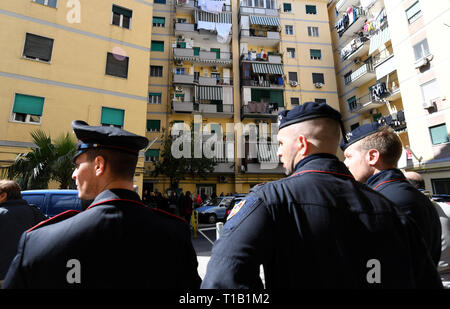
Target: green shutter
[(122, 11), (152, 153), (196, 51), (157, 46), (287, 7), (26, 104), (154, 94), (112, 116), (277, 97), (217, 50), (153, 125), (317, 53), (311, 9), (159, 20), (439, 134)]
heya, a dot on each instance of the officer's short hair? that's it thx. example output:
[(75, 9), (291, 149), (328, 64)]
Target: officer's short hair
[(386, 142), (121, 164), (11, 188)]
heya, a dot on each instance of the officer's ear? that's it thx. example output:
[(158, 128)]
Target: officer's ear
[(3, 197), (373, 157), (303, 145), (99, 165)]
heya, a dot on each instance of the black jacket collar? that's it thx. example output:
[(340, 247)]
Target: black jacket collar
[(384, 176)]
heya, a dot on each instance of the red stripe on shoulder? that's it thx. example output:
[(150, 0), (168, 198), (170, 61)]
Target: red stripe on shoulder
[(168, 213), (325, 172), (387, 181), (59, 217)]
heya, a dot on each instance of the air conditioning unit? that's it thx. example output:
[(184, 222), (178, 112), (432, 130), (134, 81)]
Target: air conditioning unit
[(293, 83), (420, 63), (178, 88), (214, 69), (318, 85)]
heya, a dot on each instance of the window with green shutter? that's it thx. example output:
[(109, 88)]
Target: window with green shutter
[(287, 7), (112, 117), (311, 9), (413, 12), (276, 96), (217, 51), (159, 21), (153, 125), (315, 54), (154, 97), (152, 155), (121, 17), (196, 51), (439, 134), (157, 46), (27, 108)]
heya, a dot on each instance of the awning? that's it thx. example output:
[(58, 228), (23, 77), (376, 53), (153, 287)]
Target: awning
[(267, 152), (265, 20), (267, 68), (208, 93), (379, 39)]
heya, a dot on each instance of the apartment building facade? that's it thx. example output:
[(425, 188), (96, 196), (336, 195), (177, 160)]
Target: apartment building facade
[(67, 60)]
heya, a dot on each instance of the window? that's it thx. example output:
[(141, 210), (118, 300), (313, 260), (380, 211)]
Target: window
[(421, 49), (181, 20), (117, 65), (413, 12), (352, 104), (295, 101), (354, 126), (318, 78), (439, 134), (348, 78), (51, 3), (293, 76), (121, 17), (311, 9), (159, 1), (291, 52), (289, 29), (112, 117), (313, 31), (315, 54), (287, 7), (430, 90), (179, 71), (159, 21), (441, 185), (152, 155), (27, 108), (154, 97), (38, 47), (153, 125), (157, 46), (156, 71), (320, 100)]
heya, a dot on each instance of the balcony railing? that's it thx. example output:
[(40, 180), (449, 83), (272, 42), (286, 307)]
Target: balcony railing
[(182, 107), (254, 56), (365, 103), (260, 34), (214, 108), (263, 83), (255, 109), (183, 79), (362, 75), (248, 10), (189, 54)]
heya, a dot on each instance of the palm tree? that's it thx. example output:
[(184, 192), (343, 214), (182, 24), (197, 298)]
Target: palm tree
[(35, 169)]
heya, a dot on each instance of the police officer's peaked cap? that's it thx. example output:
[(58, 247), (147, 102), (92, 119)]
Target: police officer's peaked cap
[(307, 111), (359, 133), (113, 138)]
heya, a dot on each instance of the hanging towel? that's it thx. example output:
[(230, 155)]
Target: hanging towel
[(206, 25), (223, 32)]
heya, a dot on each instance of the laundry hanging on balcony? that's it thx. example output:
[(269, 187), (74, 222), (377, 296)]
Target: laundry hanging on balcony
[(221, 23), (211, 6)]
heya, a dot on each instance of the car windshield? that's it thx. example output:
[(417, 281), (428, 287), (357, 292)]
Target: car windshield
[(213, 202)]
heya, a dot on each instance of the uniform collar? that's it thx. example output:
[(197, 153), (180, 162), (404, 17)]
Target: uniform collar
[(302, 162), (114, 195), (384, 175)]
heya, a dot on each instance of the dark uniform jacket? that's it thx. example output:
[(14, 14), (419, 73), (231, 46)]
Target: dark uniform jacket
[(394, 185), (319, 228), (118, 243), (16, 216)]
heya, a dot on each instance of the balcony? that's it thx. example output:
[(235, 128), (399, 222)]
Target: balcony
[(356, 48), (260, 110), (183, 79), (364, 104), (182, 107), (202, 56), (248, 10), (180, 28), (342, 5), (254, 56), (261, 84), (215, 110), (362, 75), (354, 27), (260, 37), (261, 157)]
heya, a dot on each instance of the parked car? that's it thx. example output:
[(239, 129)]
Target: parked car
[(215, 210), (53, 202)]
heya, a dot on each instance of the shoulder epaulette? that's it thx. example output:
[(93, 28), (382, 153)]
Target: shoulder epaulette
[(58, 218)]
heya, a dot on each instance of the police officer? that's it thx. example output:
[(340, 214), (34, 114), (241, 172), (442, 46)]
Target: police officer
[(117, 242), (371, 154), (317, 228)]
